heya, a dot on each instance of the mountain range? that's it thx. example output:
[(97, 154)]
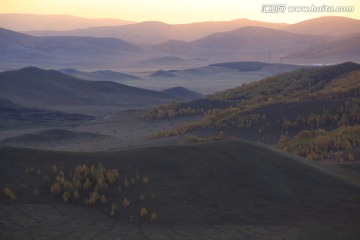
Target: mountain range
[(165, 45), (152, 32)]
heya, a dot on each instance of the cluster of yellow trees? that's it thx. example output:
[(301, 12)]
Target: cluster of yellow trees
[(93, 185), (321, 145)]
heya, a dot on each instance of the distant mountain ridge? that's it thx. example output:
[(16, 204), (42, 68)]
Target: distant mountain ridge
[(256, 38), (329, 25), (29, 22), (154, 32), (348, 47)]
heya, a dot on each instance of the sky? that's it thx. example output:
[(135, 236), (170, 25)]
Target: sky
[(178, 11)]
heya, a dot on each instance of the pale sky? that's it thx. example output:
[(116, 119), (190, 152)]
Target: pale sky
[(175, 11)]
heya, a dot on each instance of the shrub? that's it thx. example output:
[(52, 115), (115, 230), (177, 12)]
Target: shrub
[(112, 176), (142, 197), (46, 180), (77, 185), (54, 168), (36, 193), (114, 209), (137, 176), (145, 180), (9, 193), (76, 195), (125, 203), (87, 185), (143, 211), (92, 199), (126, 183), (153, 217), (66, 196), (101, 184), (68, 185), (103, 199), (55, 188)]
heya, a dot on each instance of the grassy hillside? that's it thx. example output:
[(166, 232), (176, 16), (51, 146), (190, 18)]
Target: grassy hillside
[(278, 106)]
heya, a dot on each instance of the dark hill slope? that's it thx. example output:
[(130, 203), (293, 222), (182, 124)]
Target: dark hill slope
[(183, 93), (99, 75), (16, 115), (221, 183), (33, 86)]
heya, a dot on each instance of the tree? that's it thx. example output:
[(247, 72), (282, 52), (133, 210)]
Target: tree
[(9, 193), (125, 203), (143, 211)]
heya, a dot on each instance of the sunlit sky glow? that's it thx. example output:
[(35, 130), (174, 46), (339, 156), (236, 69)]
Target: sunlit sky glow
[(174, 11)]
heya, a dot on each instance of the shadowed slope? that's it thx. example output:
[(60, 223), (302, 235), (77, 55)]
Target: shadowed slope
[(222, 183), (33, 86)]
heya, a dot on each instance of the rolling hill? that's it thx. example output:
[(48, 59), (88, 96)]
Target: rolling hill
[(36, 87), (331, 25), (29, 22), (226, 185), (183, 93)]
